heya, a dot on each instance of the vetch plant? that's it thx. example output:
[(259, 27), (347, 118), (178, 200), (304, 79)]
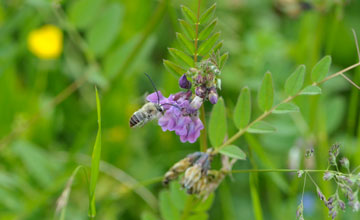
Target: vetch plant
[(198, 64)]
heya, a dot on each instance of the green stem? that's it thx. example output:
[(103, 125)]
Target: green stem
[(267, 113), (203, 136), (279, 170)]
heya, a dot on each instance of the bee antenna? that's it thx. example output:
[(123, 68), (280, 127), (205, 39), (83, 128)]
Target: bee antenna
[(171, 105), (153, 85)]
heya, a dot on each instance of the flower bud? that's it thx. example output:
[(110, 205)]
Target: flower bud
[(196, 103), (345, 162), (184, 82), (192, 175), (200, 91), (328, 176), (200, 79), (213, 96)]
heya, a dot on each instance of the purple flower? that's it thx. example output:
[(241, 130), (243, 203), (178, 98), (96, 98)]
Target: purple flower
[(213, 96), (184, 82), (179, 116)]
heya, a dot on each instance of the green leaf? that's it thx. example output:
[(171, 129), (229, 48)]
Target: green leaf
[(187, 28), (233, 151), (186, 43), (217, 124), (320, 69), (148, 216), (261, 127), (181, 56), (198, 216), (174, 68), (188, 14), (207, 15), (295, 81), (242, 111), (218, 46), (266, 93), (286, 108), (83, 12), (104, 31), (95, 161), (203, 206), (177, 195), (207, 45), (205, 33), (223, 59), (167, 209), (311, 90)]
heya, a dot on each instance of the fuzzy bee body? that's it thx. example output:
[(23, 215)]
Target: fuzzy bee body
[(148, 112)]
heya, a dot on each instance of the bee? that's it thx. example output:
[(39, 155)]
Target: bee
[(146, 113), (149, 111)]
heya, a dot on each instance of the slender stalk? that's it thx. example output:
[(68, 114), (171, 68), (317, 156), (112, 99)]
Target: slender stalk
[(278, 170), (267, 113), (203, 136)]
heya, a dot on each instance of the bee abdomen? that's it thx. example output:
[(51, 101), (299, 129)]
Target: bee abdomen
[(137, 118)]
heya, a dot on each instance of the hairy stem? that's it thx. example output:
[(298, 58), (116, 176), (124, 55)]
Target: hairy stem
[(288, 99)]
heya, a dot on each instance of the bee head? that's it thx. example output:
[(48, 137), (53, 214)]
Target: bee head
[(160, 108)]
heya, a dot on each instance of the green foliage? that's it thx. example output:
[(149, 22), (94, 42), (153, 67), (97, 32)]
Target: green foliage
[(81, 12), (174, 68), (175, 204), (261, 127), (321, 69), (295, 81), (188, 14), (95, 161), (311, 90), (217, 124), (102, 34), (233, 152), (47, 117), (266, 93), (242, 111), (286, 108)]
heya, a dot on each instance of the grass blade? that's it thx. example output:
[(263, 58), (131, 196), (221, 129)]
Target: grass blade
[(95, 161)]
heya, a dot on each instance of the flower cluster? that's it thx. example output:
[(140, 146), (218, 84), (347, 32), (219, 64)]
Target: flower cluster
[(198, 179), (349, 183), (181, 114), (205, 78)]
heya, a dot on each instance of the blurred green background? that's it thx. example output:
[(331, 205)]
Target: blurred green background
[(110, 44)]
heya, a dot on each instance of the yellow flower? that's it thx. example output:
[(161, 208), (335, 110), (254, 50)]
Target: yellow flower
[(46, 42)]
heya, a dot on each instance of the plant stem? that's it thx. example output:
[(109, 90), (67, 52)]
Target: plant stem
[(203, 137), (288, 99), (278, 170)]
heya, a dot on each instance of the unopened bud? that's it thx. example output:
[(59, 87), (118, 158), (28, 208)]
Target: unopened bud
[(184, 82), (200, 91), (213, 96), (345, 162), (192, 175)]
